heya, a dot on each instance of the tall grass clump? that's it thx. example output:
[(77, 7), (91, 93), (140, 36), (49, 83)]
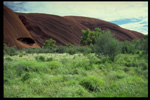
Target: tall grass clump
[(8, 59), (40, 58), (93, 83)]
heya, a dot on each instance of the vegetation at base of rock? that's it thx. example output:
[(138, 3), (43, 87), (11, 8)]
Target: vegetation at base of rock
[(107, 45), (89, 37), (51, 43), (106, 68)]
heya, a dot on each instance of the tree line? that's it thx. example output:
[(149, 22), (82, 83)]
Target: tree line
[(98, 41)]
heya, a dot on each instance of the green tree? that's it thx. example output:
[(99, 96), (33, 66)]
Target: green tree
[(49, 43), (69, 45), (89, 37), (107, 45), (135, 46), (128, 47)]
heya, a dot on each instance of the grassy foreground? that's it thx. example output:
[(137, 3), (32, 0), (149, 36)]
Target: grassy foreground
[(64, 75)]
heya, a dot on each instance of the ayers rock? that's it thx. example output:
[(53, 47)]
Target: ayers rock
[(32, 29), (15, 33)]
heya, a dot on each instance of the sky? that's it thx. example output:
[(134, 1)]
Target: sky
[(129, 15)]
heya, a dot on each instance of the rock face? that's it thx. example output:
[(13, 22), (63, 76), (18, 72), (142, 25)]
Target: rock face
[(32, 29), (15, 33), (45, 26), (121, 33)]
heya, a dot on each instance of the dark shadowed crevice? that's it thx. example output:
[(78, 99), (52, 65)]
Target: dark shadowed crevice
[(23, 20), (28, 41)]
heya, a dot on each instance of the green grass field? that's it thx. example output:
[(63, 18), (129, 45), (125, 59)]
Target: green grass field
[(63, 75)]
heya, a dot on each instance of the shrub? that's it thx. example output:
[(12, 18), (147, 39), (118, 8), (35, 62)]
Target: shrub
[(29, 50), (13, 54), (54, 64), (92, 83), (8, 59), (6, 49), (64, 60), (20, 69), (40, 58), (107, 45), (104, 60), (82, 49), (141, 44), (135, 46), (145, 44), (82, 63), (71, 51), (115, 75), (20, 55), (69, 45), (10, 50), (25, 77), (92, 59), (49, 59), (128, 47), (49, 43), (6, 80), (89, 37), (61, 49)]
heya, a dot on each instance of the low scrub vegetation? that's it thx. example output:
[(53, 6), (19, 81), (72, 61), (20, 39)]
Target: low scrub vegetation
[(103, 67), (77, 75)]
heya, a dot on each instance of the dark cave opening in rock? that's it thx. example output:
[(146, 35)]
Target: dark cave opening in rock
[(26, 40)]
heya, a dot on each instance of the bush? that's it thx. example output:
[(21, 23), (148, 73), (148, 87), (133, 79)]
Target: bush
[(89, 37), (29, 50), (20, 69), (54, 64), (82, 49), (49, 43), (61, 49), (82, 63), (128, 47), (92, 59), (25, 77), (40, 58), (107, 45), (71, 51), (8, 59), (92, 83), (20, 55), (6, 49), (69, 45), (49, 59), (13, 54), (135, 46), (144, 44), (10, 50)]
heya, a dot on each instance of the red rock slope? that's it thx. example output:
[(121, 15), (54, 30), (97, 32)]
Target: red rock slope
[(15, 33), (35, 28), (121, 33), (45, 26)]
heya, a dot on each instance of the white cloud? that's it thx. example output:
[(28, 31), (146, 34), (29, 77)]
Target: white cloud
[(108, 11), (105, 10), (138, 26), (132, 10)]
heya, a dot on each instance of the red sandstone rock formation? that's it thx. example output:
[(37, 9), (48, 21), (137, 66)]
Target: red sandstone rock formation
[(32, 29), (121, 33), (45, 26), (15, 33)]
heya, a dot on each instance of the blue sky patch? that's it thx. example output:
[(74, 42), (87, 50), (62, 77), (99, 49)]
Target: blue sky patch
[(125, 21)]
